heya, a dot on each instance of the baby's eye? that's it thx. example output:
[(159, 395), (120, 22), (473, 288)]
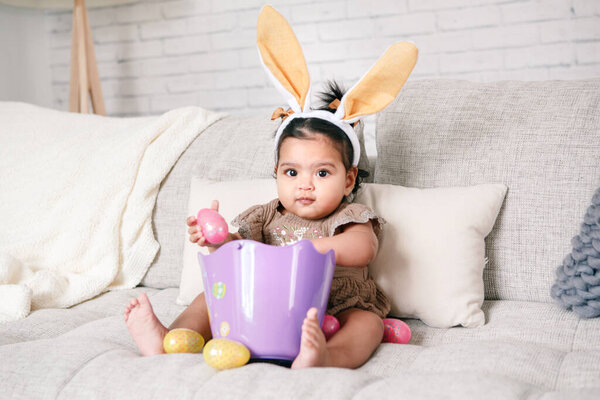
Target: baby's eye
[(291, 172), (322, 173)]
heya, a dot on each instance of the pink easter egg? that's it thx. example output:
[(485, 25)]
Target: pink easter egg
[(330, 326), (395, 331), (213, 225)]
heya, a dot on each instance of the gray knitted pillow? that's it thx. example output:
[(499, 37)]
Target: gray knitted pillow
[(577, 284)]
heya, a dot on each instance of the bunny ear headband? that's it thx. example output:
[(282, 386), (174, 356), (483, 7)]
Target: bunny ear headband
[(283, 59)]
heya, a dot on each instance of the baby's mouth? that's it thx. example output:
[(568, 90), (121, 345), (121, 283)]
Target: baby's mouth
[(305, 201)]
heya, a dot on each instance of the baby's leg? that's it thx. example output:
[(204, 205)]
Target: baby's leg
[(360, 334), (195, 317), (148, 332)]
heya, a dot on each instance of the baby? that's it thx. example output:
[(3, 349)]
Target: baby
[(315, 171), (316, 167)]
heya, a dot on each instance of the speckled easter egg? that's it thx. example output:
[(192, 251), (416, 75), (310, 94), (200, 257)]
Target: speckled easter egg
[(183, 341), (225, 353), (395, 331), (213, 225)]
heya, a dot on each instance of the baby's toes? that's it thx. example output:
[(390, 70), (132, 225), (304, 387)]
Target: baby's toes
[(132, 304), (309, 335), (126, 313)]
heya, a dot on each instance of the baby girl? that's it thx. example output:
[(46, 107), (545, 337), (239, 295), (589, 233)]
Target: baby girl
[(316, 167), (315, 174)]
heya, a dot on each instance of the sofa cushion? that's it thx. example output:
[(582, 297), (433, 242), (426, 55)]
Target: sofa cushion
[(48, 323), (234, 198), (538, 138), (525, 350), (432, 254)]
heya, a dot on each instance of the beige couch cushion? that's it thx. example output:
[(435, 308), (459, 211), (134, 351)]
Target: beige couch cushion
[(538, 138), (526, 350)]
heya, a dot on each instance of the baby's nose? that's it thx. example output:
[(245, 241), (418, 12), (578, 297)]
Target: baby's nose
[(306, 184)]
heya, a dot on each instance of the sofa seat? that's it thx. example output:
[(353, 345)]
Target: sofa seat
[(525, 349)]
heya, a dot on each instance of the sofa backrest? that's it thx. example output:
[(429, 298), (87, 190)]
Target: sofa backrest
[(541, 139)]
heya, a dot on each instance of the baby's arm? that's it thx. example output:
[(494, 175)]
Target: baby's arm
[(196, 235), (355, 246)]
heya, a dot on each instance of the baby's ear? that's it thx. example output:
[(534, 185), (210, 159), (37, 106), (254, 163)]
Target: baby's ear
[(381, 84), (351, 175)]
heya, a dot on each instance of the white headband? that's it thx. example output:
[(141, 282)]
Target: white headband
[(327, 116)]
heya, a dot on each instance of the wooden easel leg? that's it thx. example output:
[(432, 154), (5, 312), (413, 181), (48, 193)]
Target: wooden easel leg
[(84, 104), (95, 88), (74, 80), (85, 79)]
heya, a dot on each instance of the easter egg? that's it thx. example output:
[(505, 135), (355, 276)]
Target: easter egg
[(213, 225), (225, 353), (395, 331), (183, 340), (330, 326)]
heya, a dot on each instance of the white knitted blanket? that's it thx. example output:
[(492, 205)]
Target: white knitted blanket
[(76, 199)]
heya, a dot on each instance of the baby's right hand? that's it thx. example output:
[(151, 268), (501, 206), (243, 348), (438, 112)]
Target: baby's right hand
[(194, 230)]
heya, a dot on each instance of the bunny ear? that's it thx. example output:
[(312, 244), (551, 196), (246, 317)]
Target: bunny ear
[(283, 58), (381, 84)]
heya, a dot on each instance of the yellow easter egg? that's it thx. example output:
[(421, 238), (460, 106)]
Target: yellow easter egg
[(183, 340), (225, 354)]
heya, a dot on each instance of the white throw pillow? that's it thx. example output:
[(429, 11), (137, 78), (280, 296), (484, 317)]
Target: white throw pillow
[(431, 256), (432, 253), (234, 197)]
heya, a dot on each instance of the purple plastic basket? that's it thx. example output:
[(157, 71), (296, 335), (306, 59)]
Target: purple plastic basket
[(258, 294)]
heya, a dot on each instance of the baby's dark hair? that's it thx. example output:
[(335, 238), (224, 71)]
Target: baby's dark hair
[(301, 128)]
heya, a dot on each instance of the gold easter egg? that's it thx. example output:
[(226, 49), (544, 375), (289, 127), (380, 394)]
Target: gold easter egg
[(225, 353), (183, 340)]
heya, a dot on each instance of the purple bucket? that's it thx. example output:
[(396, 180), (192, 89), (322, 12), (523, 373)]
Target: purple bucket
[(259, 294)]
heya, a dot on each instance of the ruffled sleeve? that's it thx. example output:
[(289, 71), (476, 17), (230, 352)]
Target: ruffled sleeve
[(355, 213), (250, 223)]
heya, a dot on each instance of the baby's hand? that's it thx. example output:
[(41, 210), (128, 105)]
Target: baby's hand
[(194, 230)]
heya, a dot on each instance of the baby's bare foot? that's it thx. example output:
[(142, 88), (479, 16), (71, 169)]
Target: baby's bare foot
[(313, 346), (145, 329)]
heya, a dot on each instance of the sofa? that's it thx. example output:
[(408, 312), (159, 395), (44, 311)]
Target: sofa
[(539, 139)]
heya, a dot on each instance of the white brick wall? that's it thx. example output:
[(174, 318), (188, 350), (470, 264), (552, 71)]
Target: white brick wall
[(155, 55)]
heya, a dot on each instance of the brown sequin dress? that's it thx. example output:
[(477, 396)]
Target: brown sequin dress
[(351, 287)]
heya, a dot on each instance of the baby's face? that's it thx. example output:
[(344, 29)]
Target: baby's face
[(311, 177)]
